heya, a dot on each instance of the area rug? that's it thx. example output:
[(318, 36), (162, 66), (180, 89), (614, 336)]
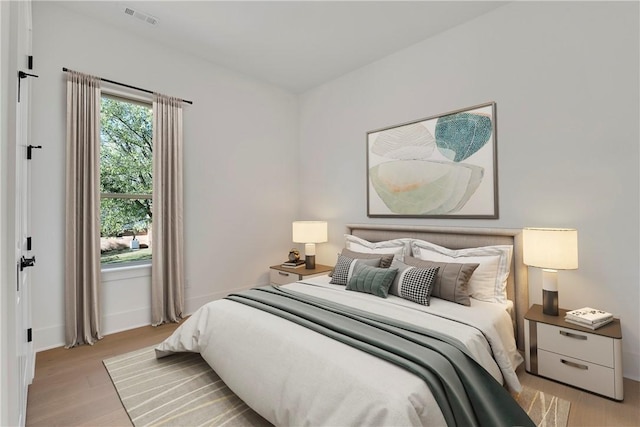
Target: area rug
[(178, 390), (544, 409), (182, 390)]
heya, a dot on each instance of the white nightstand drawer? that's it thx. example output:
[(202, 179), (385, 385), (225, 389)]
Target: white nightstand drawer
[(580, 345), (588, 376), (564, 352), (278, 277)]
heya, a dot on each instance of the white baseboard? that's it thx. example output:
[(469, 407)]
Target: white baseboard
[(632, 370), (192, 304), (53, 336), (125, 320), (48, 338)]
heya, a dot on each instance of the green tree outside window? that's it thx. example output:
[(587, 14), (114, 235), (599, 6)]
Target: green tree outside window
[(126, 178)]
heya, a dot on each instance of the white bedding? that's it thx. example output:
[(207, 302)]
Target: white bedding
[(293, 376)]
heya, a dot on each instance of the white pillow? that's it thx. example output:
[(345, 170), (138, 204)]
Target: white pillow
[(398, 247), (489, 281)]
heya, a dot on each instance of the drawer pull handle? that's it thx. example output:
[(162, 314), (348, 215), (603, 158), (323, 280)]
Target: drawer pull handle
[(283, 274), (576, 336), (574, 365)]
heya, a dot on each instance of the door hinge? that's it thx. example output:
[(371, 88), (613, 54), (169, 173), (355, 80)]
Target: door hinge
[(30, 62), (28, 243), (30, 149), (29, 335)]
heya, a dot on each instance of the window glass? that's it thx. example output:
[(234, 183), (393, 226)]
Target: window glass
[(125, 181)]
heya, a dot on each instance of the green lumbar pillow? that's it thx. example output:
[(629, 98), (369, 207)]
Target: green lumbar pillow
[(371, 280)]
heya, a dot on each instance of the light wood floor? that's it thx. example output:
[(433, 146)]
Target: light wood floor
[(588, 409), (72, 387)]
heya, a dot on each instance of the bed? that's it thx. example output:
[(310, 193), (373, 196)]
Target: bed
[(272, 347)]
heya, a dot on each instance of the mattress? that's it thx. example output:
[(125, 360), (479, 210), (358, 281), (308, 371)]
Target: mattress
[(293, 376)]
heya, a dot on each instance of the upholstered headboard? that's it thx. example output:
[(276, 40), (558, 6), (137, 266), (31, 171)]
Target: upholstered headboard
[(460, 238)]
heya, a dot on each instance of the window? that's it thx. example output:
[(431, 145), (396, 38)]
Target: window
[(126, 168)]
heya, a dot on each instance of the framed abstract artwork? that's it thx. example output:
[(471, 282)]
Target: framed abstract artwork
[(443, 166)]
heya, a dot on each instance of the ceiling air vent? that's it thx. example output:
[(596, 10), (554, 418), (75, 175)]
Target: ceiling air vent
[(152, 20)]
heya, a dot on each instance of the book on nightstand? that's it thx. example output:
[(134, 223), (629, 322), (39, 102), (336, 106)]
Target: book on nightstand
[(293, 264), (592, 326), (588, 317)]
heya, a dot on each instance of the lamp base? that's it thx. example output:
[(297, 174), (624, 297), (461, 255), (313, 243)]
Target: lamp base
[(310, 262), (550, 302)]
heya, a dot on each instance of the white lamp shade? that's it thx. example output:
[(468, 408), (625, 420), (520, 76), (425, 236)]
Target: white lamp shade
[(310, 231), (552, 248)]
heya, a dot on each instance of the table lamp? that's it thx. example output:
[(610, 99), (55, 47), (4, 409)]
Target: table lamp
[(550, 249), (310, 233)]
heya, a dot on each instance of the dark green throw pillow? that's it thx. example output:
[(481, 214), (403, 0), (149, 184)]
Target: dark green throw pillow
[(371, 280)]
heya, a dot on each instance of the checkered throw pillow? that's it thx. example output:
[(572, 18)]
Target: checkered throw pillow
[(416, 284)]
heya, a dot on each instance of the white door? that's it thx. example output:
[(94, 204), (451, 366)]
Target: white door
[(24, 258), (16, 353)]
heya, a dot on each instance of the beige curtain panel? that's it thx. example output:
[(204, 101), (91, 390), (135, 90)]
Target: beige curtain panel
[(82, 265), (167, 271)]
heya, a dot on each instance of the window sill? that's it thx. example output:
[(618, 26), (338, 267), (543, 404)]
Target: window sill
[(128, 271)]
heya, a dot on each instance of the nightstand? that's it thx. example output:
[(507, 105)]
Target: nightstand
[(279, 275), (577, 356)]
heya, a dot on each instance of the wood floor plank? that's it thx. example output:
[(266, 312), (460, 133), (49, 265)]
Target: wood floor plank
[(78, 408), (113, 418), (72, 388)]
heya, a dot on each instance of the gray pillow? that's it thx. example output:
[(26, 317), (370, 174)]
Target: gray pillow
[(371, 280), (452, 280), (413, 283), (385, 259), (341, 271)]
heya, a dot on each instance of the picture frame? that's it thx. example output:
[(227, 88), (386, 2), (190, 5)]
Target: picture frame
[(443, 166)]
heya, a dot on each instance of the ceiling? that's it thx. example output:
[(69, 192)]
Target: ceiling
[(296, 45)]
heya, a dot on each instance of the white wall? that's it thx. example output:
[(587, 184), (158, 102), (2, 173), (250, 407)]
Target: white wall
[(240, 155), (565, 80)]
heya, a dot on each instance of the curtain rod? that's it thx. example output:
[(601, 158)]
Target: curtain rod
[(65, 69)]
